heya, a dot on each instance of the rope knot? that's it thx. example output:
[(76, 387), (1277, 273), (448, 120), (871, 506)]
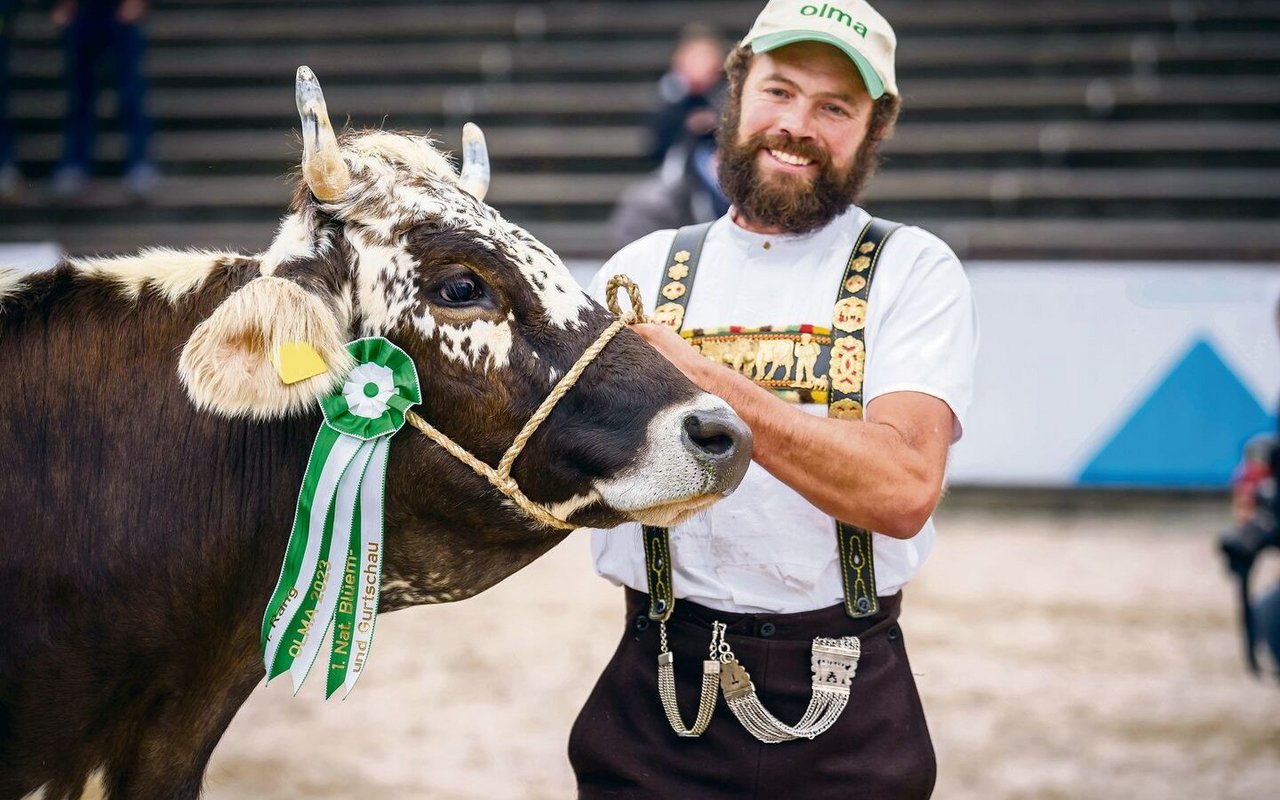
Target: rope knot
[(636, 314)]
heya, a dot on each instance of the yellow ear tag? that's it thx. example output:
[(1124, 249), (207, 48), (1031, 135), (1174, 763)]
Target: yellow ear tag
[(299, 361)]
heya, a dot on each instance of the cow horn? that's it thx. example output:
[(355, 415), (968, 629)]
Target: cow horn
[(475, 162), (322, 165)]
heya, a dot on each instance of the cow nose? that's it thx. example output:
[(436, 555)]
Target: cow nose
[(721, 441)]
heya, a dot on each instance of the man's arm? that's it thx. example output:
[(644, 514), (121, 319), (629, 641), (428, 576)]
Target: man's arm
[(892, 464)]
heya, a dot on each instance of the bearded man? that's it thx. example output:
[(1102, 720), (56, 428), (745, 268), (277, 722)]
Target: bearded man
[(790, 590)]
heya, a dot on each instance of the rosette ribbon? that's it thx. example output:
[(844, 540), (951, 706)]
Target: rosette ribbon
[(332, 568)]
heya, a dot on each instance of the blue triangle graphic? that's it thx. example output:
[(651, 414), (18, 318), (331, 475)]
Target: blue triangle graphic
[(1188, 433)]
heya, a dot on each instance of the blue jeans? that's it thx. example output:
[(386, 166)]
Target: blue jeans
[(86, 40), (6, 133)]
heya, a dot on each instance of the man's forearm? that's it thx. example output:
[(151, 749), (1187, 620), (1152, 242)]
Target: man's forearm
[(863, 473), (884, 474)]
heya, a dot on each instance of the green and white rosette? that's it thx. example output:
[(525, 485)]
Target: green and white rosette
[(333, 566)]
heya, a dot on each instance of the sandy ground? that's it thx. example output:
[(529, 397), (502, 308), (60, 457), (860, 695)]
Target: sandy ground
[(1061, 654)]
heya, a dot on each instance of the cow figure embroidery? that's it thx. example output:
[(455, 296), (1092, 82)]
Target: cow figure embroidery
[(153, 455)]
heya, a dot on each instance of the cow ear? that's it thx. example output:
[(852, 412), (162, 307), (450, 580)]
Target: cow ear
[(231, 365)]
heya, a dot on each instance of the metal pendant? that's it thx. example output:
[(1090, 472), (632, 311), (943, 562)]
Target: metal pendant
[(834, 663)]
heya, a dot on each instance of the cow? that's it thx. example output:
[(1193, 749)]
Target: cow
[(153, 455), (773, 355)]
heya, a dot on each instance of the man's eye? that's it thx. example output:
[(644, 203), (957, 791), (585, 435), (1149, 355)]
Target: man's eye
[(460, 291)]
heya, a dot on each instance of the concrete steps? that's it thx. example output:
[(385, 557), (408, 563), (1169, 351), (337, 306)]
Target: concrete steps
[(1033, 125), (1054, 238)]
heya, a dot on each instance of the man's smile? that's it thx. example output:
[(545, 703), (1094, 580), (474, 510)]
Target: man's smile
[(790, 158)]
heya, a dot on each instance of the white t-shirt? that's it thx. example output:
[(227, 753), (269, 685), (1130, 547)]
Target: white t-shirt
[(766, 549)]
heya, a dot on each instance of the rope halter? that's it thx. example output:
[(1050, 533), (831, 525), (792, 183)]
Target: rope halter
[(501, 476)]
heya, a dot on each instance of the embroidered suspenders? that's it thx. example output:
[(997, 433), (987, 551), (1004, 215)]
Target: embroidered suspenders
[(843, 353), (846, 359)]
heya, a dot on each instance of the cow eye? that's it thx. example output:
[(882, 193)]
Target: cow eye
[(460, 290)]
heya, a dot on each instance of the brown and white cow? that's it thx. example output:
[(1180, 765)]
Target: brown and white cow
[(152, 457)]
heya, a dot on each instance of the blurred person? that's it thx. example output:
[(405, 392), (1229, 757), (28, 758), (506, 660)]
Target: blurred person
[(92, 30), (1254, 532), (1256, 514), (690, 93), (834, 517), (1268, 612), (684, 190), (10, 177), (1275, 454)]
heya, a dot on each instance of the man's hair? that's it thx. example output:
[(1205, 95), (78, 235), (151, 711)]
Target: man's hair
[(884, 111)]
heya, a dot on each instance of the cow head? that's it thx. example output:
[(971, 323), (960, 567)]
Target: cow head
[(385, 238)]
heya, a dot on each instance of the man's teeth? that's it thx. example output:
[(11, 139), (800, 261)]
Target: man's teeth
[(787, 158)]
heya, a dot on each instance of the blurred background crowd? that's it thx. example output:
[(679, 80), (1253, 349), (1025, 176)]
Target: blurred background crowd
[(1109, 171), (1093, 129)]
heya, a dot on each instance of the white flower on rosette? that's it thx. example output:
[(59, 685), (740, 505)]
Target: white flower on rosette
[(367, 389)]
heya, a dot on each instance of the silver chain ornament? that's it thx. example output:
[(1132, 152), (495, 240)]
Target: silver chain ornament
[(667, 686), (834, 663)]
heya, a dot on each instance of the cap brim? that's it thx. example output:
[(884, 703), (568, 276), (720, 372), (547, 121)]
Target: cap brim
[(772, 41)]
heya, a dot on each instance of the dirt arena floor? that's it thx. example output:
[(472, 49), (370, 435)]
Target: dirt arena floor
[(1086, 652)]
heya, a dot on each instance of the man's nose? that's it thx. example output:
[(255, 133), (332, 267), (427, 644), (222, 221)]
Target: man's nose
[(795, 123)]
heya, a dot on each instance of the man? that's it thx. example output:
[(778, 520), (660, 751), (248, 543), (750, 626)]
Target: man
[(759, 576), (92, 30), (10, 177), (681, 144)]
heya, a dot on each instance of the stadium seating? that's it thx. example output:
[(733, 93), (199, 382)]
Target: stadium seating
[(1096, 129)]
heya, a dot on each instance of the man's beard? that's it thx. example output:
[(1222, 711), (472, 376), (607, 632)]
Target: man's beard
[(791, 203)]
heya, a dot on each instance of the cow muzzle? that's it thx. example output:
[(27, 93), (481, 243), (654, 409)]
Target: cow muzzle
[(695, 453), (720, 441)]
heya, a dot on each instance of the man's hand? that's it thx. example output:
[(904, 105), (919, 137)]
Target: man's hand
[(676, 350)]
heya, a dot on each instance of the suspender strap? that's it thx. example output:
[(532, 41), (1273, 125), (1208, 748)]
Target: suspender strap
[(677, 276), (673, 299), (657, 570), (848, 359)]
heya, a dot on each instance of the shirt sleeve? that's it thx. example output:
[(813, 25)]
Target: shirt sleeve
[(927, 339)]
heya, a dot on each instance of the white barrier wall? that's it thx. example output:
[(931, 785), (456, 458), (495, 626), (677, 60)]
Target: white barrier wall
[(29, 255), (1116, 374), (1123, 374)]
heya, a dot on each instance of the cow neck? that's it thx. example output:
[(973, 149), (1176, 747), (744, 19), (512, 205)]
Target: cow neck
[(500, 477)]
